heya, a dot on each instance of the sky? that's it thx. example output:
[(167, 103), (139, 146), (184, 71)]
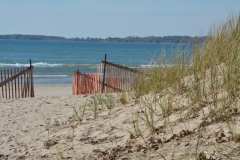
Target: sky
[(113, 18)]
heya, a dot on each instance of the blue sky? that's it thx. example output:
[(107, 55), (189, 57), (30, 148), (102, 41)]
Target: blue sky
[(113, 18)]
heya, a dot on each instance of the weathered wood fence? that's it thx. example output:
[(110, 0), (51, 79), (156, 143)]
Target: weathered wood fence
[(17, 83), (117, 78)]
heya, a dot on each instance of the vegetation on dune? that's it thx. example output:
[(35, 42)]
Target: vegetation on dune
[(210, 80), (205, 89), (220, 49), (176, 108)]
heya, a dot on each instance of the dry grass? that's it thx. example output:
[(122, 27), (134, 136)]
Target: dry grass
[(180, 105), (189, 110), (208, 85)]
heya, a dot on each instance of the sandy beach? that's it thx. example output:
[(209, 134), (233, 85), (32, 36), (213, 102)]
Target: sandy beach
[(45, 127), (56, 125), (184, 105), (52, 89)]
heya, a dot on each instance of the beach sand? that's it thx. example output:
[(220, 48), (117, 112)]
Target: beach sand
[(47, 127), (43, 127), (52, 89)]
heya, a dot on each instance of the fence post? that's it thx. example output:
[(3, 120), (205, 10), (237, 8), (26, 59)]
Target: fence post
[(31, 75), (77, 79), (104, 70), (2, 86)]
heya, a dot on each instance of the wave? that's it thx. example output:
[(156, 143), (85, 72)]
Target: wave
[(153, 66), (149, 66), (49, 76), (43, 64)]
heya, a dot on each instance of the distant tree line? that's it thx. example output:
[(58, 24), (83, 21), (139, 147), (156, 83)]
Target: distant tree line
[(31, 37), (129, 39)]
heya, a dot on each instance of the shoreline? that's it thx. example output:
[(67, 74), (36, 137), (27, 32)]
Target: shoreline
[(24, 121), (52, 89), (44, 80)]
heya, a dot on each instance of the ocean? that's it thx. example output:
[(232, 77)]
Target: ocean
[(56, 61)]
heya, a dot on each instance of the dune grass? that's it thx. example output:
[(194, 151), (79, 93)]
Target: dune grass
[(210, 79), (204, 82)]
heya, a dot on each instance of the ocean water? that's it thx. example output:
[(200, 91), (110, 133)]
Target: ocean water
[(56, 61)]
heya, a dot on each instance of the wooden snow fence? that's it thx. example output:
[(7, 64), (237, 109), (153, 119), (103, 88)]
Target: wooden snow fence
[(16, 83), (117, 78), (90, 83), (85, 83)]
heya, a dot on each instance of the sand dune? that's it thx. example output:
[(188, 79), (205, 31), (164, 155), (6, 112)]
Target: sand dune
[(47, 127)]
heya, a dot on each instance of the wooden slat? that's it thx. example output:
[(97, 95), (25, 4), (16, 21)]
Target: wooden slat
[(9, 87), (5, 77), (120, 66), (117, 78), (11, 83), (2, 86), (21, 84), (18, 85), (25, 85), (32, 87), (28, 85), (88, 84), (15, 84), (13, 77), (85, 75)]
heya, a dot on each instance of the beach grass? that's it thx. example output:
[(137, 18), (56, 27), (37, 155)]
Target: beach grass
[(184, 108), (211, 79), (203, 82)]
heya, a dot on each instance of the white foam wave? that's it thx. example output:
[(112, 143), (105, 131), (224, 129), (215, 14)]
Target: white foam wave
[(153, 66), (13, 65), (49, 76), (43, 64), (150, 66)]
